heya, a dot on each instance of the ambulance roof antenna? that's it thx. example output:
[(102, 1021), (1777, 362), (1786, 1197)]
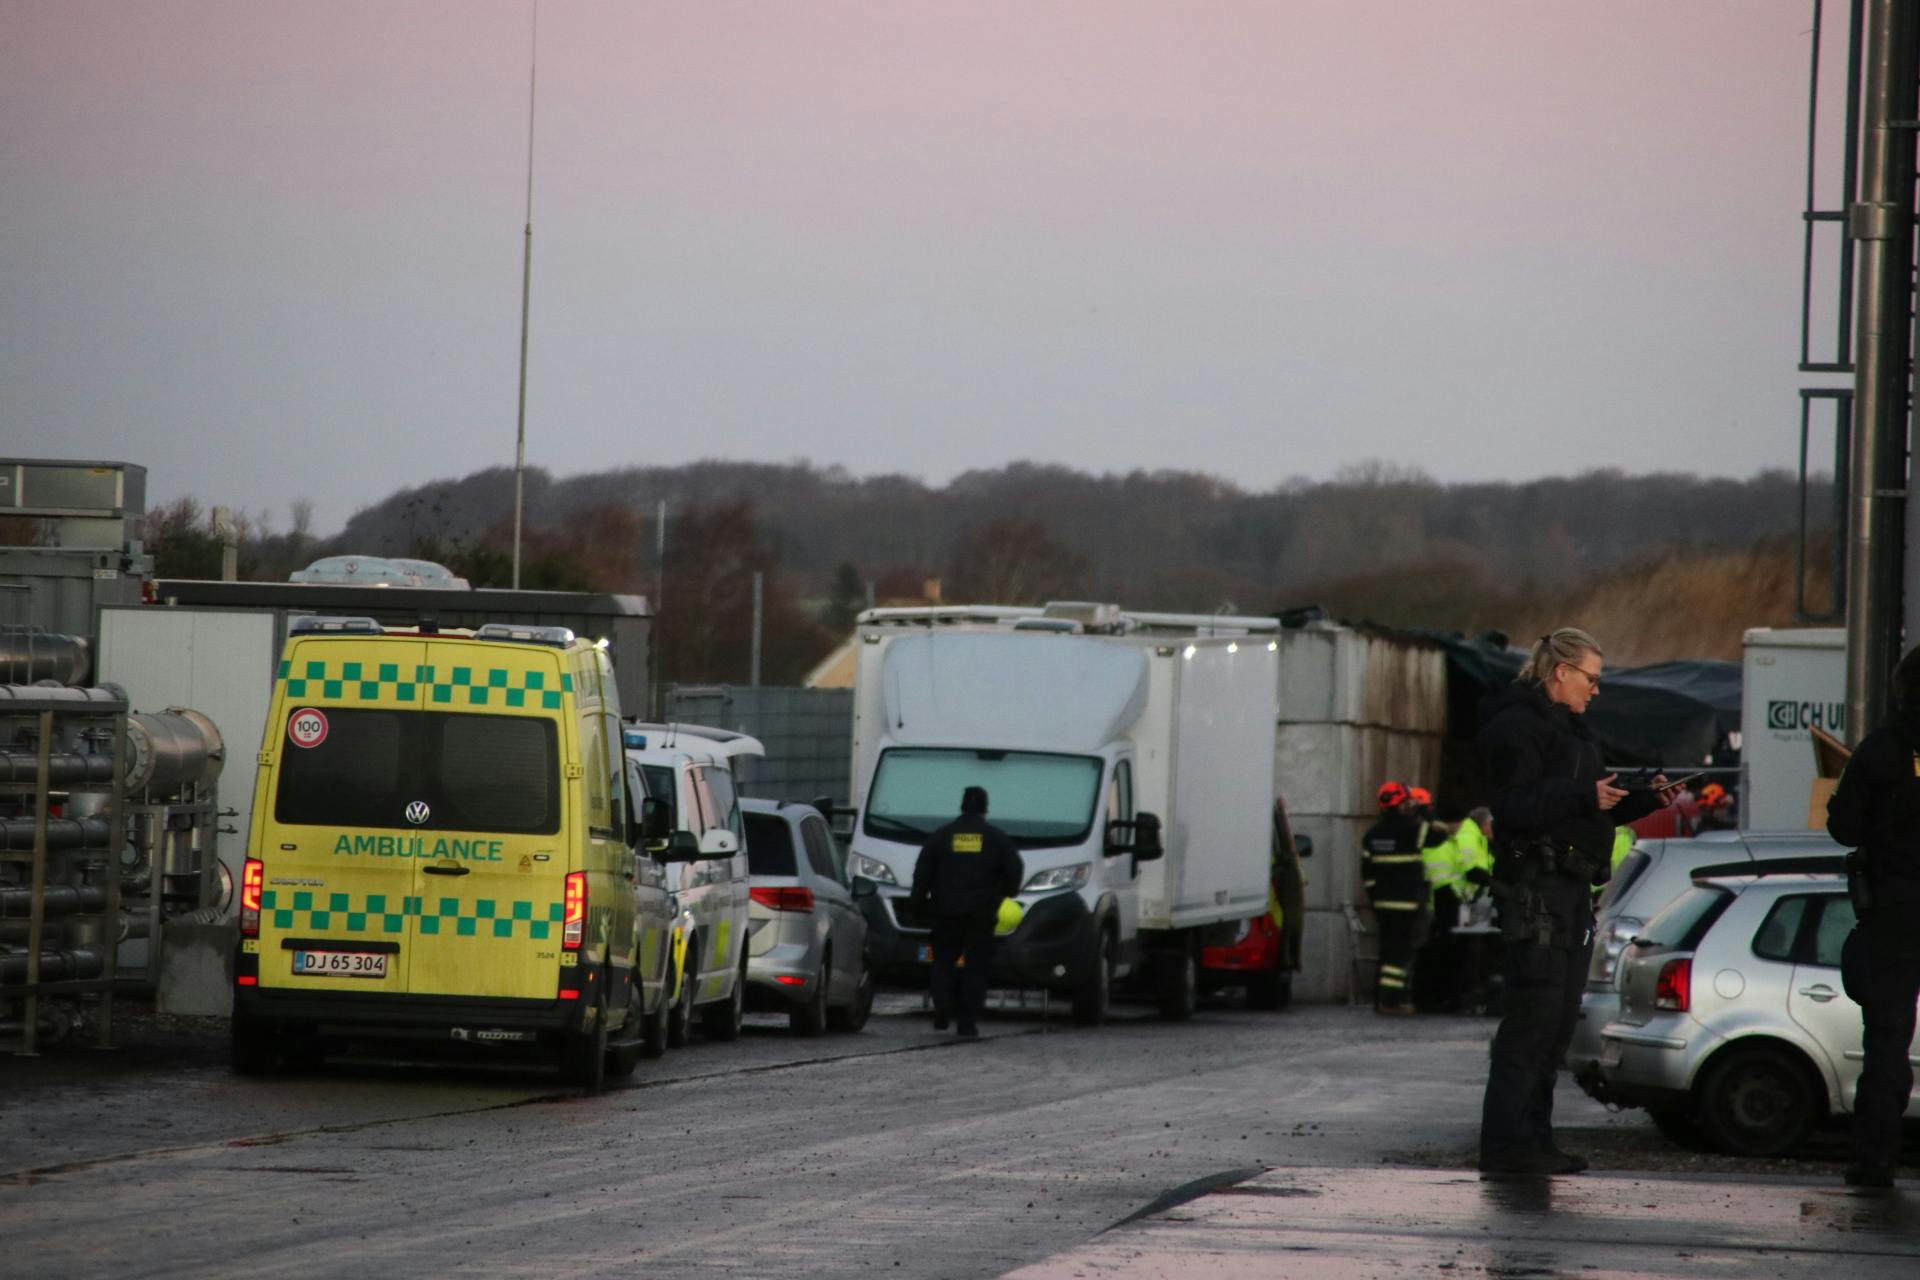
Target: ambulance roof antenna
[(526, 293)]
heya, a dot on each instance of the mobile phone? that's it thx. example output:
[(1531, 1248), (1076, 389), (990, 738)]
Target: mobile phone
[(1684, 780)]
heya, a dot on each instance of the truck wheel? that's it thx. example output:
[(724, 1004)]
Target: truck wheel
[(680, 1017), (853, 1017), (1269, 991), (810, 1018), (583, 1054), (1091, 998), (723, 1021), (625, 1056), (1179, 983), (653, 1028), (255, 1051)]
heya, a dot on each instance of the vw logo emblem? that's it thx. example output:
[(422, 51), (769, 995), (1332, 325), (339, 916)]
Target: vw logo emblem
[(417, 812)]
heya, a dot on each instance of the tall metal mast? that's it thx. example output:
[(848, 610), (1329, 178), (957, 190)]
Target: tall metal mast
[(526, 295)]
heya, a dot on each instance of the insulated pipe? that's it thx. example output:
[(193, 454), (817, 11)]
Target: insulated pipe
[(53, 933), (16, 903), (63, 834), (28, 656), (64, 768), (55, 966), (170, 749)]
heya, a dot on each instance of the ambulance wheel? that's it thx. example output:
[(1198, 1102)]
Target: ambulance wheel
[(583, 1054), (1269, 991), (1179, 985), (1091, 998), (625, 1056), (853, 1017), (723, 1021), (254, 1048), (653, 1029), (810, 1018), (680, 1017)]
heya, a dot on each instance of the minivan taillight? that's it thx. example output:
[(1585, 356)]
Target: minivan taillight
[(1673, 989), (252, 876), (786, 897), (573, 922)]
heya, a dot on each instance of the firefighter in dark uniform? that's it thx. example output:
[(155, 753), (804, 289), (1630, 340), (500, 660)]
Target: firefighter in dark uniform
[(1394, 872), (1876, 809), (965, 871), (1554, 812)]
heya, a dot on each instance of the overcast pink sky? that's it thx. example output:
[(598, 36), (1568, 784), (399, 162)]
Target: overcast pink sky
[(272, 250)]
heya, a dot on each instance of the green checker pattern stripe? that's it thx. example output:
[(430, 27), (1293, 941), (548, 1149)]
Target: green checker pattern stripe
[(426, 683), (378, 913)]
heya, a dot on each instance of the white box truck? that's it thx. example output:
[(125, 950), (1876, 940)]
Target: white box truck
[(1082, 741), (1792, 681)]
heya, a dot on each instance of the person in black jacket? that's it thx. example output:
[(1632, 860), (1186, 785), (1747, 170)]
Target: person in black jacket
[(1876, 809), (964, 872), (1554, 811), (1393, 870)]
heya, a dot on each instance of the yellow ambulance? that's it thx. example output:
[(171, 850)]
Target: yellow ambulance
[(447, 846)]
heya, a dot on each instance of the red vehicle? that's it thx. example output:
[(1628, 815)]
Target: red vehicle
[(1258, 954)]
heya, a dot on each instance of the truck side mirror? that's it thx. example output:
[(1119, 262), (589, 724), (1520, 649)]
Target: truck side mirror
[(679, 847), (656, 820), (1303, 846), (1146, 838)]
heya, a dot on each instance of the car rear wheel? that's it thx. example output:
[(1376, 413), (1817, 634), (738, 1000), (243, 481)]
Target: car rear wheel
[(1270, 990), (853, 1016), (809, 1018), (1678, 1125), (723, 1021), (1758, 1102)]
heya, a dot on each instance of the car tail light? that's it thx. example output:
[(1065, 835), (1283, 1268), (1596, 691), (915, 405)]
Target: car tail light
[(790, 980), (573, 920), (1673, 989), (786, 897), (251, 878)]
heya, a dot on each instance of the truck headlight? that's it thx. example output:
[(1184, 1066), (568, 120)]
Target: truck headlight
[(1058, 878), (872, 868)]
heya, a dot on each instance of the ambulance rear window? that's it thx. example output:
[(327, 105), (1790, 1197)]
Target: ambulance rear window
[(423, 770)]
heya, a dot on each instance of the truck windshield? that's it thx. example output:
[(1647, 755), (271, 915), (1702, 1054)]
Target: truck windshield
[(1034, 797)]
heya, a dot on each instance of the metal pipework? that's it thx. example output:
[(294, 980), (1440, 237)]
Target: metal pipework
[(54, 1022), (64, 768), (55, 966), (16, 902), (29, 655), (63, 834), (170, 749)]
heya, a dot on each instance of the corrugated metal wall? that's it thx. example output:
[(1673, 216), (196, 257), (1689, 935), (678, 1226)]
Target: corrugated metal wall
[(808, 734)]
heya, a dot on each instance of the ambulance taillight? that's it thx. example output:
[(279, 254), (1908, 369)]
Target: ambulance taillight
[(252, 876), (573, 928)]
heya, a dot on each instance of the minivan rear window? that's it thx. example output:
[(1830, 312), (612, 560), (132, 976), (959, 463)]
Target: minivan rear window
[(769, 845), (1686, 919), (424, 770)]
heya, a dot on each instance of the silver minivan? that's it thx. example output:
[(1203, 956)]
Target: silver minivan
[(807, 940), (1650, 877), (1734, 1030)]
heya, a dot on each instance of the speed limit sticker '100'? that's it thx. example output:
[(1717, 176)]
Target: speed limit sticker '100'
[(307, 727)]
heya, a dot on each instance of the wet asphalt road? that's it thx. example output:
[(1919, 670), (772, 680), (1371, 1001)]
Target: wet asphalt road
[(896, 1152)]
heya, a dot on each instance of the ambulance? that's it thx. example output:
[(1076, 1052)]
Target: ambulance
[(449, 845)]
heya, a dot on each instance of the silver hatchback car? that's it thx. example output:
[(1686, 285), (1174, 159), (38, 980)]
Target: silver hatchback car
[(807, 941), (1650, 877), (1733, 1029)]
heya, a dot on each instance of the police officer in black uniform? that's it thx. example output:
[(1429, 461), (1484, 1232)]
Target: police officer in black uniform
[(1554, 811), (1394, 872), (965, 870), (1876, 809)]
